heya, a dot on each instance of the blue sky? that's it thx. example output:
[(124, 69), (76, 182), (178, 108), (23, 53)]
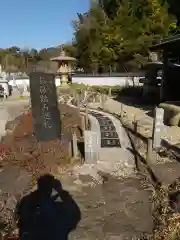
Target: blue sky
[(38, 23)]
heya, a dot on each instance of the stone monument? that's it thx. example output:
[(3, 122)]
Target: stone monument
[(45, 112), (92, 147)]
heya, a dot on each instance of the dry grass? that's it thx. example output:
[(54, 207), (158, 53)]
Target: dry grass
[(20, 148), (24, 151), (167, 221)]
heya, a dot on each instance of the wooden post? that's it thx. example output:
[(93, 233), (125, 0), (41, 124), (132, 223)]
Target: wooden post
[(149, 151), (98, 98), (94, 98), (78, 102), (135, 126), (121, 114), (85, 94), (109, 92), (83, 122), (135, 131), (70, 149), (103, 101), (74, 145), (86, 118), (74, 93)]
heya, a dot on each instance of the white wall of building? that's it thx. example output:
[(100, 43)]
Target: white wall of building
[(94, 81), (108, 81)]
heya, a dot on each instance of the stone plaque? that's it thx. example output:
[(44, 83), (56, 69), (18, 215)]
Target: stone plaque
[(104, 121), (158, 128), (107, 128), (105, 143), (109, 135), (92, 146), (46, 116)]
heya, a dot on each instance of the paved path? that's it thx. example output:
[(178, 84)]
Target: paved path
[(109, 211), (116, 209), (9, 110), (109, 135), (115, 158), (166, 170)]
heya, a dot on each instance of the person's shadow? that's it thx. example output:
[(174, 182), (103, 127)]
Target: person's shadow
[(49, 213)]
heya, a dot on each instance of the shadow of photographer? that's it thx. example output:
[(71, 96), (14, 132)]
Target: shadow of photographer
[(47, 213)]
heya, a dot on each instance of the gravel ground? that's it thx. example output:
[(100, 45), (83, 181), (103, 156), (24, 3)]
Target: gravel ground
[(117, 209), (23, 158), (114, 209)]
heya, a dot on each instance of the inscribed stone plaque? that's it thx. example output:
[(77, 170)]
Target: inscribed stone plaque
[(109, 135), (107, 128), (110, 143), (46, 116), (104, 121), (92, 147), (158, 128)]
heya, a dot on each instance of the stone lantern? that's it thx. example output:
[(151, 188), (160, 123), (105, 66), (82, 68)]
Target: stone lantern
[(65, 67)]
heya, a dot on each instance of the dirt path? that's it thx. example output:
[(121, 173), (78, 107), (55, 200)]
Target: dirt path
[(117, 209)]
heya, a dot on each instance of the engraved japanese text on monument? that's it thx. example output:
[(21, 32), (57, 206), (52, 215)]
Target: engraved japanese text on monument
[(46, 116)]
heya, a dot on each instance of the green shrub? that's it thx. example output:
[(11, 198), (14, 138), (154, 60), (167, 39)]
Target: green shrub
[(129, 91), (171, 114), (174, 121)]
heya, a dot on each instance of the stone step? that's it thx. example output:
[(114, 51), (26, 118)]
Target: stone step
[(166, 173)]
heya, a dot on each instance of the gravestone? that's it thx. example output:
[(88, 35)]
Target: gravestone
[(158, 128), (45, 112), (91, 146)]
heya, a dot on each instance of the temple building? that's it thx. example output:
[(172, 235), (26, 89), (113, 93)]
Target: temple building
[(169, 49)]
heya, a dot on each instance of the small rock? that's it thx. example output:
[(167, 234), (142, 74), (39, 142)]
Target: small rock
[(88, 173)]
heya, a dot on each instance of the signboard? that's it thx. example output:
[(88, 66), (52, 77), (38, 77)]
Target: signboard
[(46, 116), (158, 129), (92, 146)]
